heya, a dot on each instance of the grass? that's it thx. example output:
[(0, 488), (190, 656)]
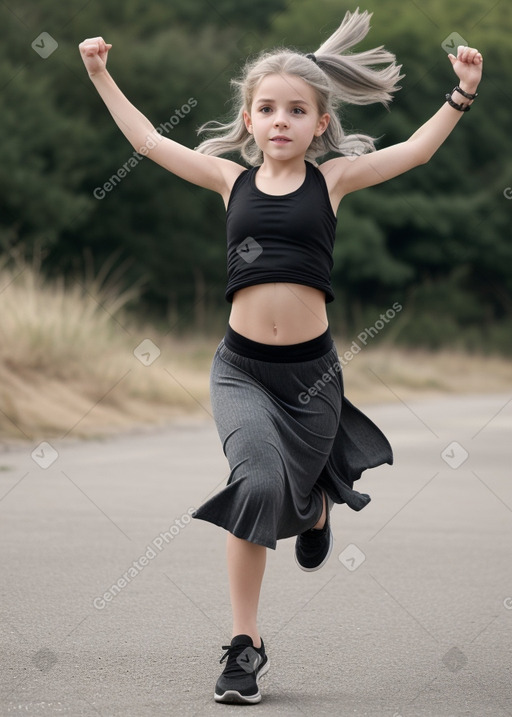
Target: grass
[(67, 363)]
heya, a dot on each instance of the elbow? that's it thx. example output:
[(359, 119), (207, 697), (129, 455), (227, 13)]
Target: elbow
[(423, 156), (420, 154)]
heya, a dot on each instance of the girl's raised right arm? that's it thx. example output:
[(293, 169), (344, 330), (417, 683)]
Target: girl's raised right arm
[(207, 171)]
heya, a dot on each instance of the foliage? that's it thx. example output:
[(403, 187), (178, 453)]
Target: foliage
[(436, 239)]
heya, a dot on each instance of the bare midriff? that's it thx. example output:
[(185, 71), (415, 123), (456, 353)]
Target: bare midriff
[(279, 313)]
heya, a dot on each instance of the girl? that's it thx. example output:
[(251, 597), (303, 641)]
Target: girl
[(295, 445)]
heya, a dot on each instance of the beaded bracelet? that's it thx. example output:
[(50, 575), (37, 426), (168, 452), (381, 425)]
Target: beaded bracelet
[(461, 108), (465, 94)]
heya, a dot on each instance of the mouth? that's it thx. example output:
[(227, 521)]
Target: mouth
[(280, 140)]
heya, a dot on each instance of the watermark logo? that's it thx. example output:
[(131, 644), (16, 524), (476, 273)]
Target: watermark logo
[(44, 45), (44, 659), (355, 151), (249, 249), (454, 455), (452, 42), (306, 396), (152, 140), (507, 603), (147, 352), (351, 557), (44, 455), (152, 551), (362, 338), (507, 192), (454, 660), (249, 660)]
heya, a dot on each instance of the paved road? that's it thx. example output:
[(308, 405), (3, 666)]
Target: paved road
[(412, 615)]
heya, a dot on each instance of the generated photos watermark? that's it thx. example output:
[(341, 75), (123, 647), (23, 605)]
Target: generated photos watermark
[(44, 455), (152, 551), (45, 45), (362, 340), (351, 557), (454, 455), (146, 352), (152, 139)]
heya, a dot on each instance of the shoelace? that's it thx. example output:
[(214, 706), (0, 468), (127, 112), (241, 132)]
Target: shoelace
[(232, 652)]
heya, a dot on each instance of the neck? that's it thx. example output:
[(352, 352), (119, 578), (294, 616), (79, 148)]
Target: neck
[(276, 168)]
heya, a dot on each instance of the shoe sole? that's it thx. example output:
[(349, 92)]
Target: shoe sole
[(234, 697), (321, 565)]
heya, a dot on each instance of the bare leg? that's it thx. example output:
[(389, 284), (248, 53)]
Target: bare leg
[(321, 522), (246, 565)]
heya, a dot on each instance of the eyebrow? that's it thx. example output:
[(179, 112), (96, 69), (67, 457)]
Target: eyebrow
[(292, 102)]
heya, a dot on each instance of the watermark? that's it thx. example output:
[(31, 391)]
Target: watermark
[(507, 192), (44, 659), (249, 660), (355, 151), (351, 557), (44, 455), (152, 551), (306, 396), (41, 707), (44, 45), (147, 352), (363, 338), (152, 139), (507, 603), (454, 455), (455, 659), (372, 331), (451, 43), (249, 249)]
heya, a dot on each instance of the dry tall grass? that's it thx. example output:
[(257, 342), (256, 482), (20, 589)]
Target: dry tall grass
[(67, 364)]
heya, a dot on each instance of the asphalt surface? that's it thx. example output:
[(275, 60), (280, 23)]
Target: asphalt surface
[(114, 602)]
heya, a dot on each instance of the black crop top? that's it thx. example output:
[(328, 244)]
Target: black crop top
[(286, 238)]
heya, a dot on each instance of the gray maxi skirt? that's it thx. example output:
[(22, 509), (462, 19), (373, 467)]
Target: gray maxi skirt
[(288, 433)]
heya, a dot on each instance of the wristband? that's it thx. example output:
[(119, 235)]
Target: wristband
[(461, 108), (465, 94)]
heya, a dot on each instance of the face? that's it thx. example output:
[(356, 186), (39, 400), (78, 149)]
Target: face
[(284, 117)]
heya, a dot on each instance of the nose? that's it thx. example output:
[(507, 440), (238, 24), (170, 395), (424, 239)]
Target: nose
[(280, 118)]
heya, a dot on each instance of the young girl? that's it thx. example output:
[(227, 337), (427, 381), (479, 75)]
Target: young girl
[(295, 445)]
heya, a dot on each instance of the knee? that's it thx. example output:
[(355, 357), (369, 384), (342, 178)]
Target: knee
[(264, 491)]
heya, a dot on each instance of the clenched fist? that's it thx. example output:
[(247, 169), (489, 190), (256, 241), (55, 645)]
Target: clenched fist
[(94, 53)]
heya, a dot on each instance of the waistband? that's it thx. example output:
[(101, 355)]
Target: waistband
[(289, 353)]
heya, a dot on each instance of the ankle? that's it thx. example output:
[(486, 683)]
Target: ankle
[(323, 517), (253, 634)]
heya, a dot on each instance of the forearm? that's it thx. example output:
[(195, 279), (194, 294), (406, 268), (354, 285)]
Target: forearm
[(132, 123), (431, 135)]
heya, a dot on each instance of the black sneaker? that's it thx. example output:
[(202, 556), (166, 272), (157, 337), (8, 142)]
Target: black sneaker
[(313, 547), (246, 664)]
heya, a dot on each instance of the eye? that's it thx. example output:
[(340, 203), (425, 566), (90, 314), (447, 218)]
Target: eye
[(299, 110), (264, 109)]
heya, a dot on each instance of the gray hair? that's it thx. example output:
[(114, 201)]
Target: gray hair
[(336, 78)]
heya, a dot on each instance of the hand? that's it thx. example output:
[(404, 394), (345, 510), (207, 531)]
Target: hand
[(468, 67), (94, 53)]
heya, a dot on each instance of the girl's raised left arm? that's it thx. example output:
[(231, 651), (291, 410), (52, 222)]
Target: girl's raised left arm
[(376, 167)]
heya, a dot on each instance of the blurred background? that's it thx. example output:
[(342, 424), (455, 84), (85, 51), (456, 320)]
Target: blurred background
[(95, 260)]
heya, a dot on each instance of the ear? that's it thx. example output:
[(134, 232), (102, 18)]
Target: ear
[(247, 121), (322, 124)]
